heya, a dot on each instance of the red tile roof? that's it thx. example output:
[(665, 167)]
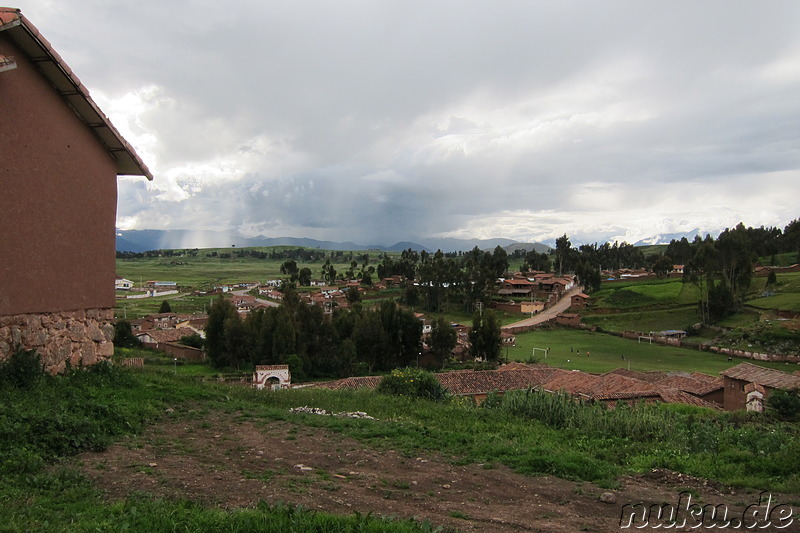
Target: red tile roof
[(519, 376), (481, 382), (763, 376), (652, 376), (573, 382), (60, 76), (691, 385), (678, 396), (167, 335), (369, 382)]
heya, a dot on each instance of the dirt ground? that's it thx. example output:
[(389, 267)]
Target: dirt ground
[(233, 462)]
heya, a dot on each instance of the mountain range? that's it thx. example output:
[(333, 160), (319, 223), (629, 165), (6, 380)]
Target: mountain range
[(144, 240), (150, 239)]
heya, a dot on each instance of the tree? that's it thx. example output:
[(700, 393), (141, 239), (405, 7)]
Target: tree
[(563, 247), (735, 257), (123, 335), (588, 275), (165, 307), (662, 266), (772, 278), (443, 338), (721, 302), (785, 404), (370, 341), (221, 316), (304, 277), (353, 295), (194, 340), (290, 268), (485, 336)]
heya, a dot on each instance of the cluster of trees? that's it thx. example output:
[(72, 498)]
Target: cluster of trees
[(297, 334), (351, 341), (467, 278), (722, 268), (761, 241), (588, 260)]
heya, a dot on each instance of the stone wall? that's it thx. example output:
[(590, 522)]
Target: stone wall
[(77, 338)]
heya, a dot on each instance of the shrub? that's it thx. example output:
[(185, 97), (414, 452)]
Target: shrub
[(22, 370), (123, 335), (412, 382), (785, 404)]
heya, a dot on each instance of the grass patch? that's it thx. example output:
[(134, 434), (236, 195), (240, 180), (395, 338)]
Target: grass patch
[(569, 348)]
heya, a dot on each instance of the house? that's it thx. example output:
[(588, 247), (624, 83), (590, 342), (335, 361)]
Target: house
[(748, 386), (122, 284), (154, 338), (61, 157), (519, 288), (579, 301)]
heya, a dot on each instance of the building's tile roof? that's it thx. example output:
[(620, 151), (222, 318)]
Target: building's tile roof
[(678, 396), (573, 382), (691, 384), (652, 376), (369, 382), (167, 335), (519, 376), (763, 376), (486, 381)]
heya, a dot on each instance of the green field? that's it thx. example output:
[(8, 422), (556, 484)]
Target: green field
[(568, 349), (201, 271), (786, 295)]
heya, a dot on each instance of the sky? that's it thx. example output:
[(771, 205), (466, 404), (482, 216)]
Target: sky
[(375, 122)]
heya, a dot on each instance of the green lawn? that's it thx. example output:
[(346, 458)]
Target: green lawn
[(645, 319), (632, 294), (202, 271), (607, 353)]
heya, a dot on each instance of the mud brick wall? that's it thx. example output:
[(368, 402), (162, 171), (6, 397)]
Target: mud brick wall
[(78, 338)]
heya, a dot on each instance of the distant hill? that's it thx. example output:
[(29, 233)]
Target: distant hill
[(527, 246), (144, 240)]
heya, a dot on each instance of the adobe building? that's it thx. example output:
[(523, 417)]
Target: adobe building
[(60, 160), (748, 386)]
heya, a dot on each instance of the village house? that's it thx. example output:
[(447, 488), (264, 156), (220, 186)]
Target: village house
[(516, 288), (122, 284), (748, 386), (61, 157), (579, 301)]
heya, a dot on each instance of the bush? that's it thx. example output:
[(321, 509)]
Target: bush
[(412, 382), (22, 370), (123, 335), (785, 404)]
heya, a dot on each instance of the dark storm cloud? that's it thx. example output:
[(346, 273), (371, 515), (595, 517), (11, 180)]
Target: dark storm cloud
[(379, 121)]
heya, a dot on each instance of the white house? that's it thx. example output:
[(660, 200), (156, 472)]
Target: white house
[(122, 284)]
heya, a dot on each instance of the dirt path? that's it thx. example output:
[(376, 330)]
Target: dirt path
[(234, 461), (559, 307)]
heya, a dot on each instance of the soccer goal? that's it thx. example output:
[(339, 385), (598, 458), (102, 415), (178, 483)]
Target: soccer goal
[(541, 350), (646, 337)]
